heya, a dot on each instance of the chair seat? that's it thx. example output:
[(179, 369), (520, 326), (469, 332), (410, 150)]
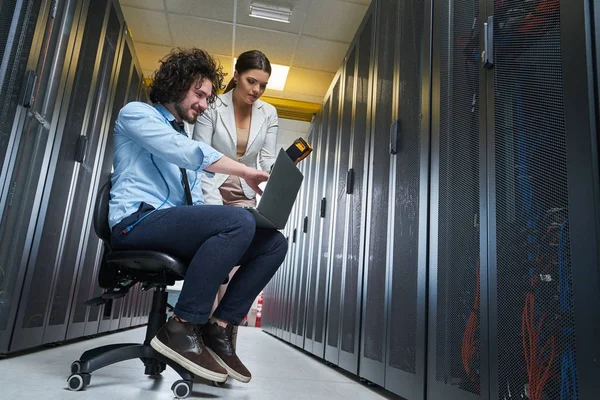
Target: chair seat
[(147, 261)]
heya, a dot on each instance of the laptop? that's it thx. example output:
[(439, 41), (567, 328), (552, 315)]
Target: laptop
[(279, 195)]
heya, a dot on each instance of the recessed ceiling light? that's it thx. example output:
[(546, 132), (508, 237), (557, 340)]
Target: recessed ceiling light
[(271, 12)]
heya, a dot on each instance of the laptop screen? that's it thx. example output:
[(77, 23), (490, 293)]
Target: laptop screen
[(281, 191)]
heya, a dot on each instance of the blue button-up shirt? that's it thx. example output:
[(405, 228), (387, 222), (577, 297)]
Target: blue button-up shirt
[(147, 157)]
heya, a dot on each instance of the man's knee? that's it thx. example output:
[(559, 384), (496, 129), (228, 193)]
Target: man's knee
[(243, 222)]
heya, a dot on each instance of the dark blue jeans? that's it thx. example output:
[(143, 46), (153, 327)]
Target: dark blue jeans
[(213, 240)]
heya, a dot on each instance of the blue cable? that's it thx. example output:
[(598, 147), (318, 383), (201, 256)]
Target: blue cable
[(568, 366), (130, 227)]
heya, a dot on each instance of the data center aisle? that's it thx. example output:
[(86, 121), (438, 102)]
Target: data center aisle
[(279, 372)]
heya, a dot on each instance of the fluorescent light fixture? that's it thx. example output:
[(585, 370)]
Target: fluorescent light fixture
[(278, 76), (271, 12)]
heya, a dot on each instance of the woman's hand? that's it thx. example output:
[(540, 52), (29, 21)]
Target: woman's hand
[(254, 177)]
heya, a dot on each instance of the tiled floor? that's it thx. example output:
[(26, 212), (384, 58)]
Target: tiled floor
[(279, 372)]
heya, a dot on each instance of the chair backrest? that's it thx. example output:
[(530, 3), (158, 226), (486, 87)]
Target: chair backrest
[(101, 213)]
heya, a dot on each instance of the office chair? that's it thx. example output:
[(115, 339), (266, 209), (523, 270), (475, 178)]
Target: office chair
[(120, 270)]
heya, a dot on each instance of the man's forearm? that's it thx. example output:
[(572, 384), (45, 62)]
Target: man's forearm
[(226, 165)]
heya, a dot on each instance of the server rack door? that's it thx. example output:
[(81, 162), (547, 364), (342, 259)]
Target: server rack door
[(84, 320), (279, 313), (308, 223), (298, 338), (63, 240), (17, 51), (356, 203), (56, 84), (457, 342), (340, 210), (304, 237), (279, 306), (285, 292), (117, 95), (311, 336), (545, 249), (102, 65), (405, 350), (312, 220), (327, 209), (372, 361), (297, 267), (292, 268)]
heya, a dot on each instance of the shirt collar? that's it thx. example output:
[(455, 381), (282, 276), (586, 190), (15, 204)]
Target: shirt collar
[(165, 112)]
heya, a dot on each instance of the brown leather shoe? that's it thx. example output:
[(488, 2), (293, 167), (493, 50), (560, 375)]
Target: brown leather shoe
[(219, 342), (182, 343)]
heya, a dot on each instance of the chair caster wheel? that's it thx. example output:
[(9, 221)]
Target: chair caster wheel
[(76, 367), (78, 381), (219, 384), (182, 389)]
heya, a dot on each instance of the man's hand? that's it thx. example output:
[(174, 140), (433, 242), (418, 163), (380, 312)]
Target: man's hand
[(254, 177)]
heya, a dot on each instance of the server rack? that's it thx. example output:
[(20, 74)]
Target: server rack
[(542, 160), (338, 196), (32, 311), (324, 192), (314, 224), (408, 205), (82, 321), (26, 20), (53, 258), (374, 323), (483, 227), (354, 247)]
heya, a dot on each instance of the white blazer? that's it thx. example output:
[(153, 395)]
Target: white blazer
[(216, 127)]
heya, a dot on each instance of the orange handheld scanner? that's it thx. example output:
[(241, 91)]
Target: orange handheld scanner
[(299, 150)]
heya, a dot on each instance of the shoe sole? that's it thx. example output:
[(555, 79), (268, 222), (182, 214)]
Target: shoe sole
[(234, 374), (185, 363)]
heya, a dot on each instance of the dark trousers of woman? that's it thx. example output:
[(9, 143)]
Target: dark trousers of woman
[(212, 239)]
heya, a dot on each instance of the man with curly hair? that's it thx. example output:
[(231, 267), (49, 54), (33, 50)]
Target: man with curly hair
[(156, 204)]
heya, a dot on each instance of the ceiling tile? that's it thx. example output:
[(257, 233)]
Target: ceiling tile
[(277, 46), (334, 20), (150, 55), (147, 26), (209, 9), (158, 5), (310, 82), (320, 54), (299, 10), (212, 36)]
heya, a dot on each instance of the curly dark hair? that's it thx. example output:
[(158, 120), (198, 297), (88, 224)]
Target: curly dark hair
[(179, 70)]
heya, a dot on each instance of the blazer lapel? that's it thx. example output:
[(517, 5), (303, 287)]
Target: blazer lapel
[(256, 122), (227, 116)]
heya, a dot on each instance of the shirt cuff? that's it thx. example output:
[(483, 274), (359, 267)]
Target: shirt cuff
[(210, 157)]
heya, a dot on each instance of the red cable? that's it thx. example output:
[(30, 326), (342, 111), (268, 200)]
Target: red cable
[(469, 346), (537, 372)]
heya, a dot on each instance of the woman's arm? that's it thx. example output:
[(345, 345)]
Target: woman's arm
[(268, 153), (204, 128)]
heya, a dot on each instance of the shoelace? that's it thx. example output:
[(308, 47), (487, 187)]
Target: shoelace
[(229, 336), (197, 330)]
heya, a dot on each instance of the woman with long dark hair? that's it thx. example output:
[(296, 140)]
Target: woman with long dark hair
[(242, 127)]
